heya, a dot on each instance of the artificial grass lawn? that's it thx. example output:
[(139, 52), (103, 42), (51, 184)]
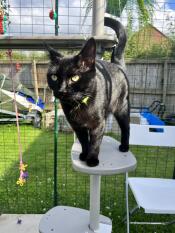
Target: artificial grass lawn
[(37, 196)]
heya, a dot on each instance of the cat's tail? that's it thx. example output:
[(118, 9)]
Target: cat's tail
[(118, 49)]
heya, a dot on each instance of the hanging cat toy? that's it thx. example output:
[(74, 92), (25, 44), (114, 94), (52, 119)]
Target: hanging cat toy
[(4, 17), (22, 166), (52, 14)]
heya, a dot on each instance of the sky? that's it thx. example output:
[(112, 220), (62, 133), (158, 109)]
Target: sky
[(31, 17), (171, 4), (163, 16)]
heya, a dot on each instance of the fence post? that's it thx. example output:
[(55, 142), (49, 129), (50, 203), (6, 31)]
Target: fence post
[(165, 81), (56, 20), (55, 201), (35, 79), (55, 152)]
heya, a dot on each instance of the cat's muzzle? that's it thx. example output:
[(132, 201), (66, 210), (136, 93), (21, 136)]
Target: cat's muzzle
[(60, 94)]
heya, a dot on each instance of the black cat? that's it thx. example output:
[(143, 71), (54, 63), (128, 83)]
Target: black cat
[(89, 90)]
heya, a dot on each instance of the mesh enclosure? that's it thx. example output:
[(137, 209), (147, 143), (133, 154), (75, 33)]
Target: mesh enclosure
[(32, 18)]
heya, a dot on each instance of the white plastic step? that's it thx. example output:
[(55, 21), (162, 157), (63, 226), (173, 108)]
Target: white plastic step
[(19, 223), (65, 219), (112, 161)]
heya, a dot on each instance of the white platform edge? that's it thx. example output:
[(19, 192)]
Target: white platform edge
[(66, 219), (112, 161), (29, 223)]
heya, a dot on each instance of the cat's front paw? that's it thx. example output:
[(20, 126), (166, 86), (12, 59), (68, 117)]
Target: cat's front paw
[(123, 148), (83, 156), (92, 162)]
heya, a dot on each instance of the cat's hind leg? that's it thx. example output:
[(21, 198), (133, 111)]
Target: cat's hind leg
[(123, 120)]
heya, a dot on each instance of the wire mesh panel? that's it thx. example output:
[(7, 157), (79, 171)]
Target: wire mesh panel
[(32, 17), (150, 71)]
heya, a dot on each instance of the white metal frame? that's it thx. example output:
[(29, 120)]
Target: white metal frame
[(150, 135)]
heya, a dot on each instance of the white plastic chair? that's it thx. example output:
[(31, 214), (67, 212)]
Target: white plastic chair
[(154, 195)]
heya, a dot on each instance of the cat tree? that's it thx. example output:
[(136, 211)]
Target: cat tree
[(65, 219)]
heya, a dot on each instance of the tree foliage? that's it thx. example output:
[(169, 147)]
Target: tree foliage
[(160, 51), (115, 7)]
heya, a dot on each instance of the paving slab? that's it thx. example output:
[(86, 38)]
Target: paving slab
[(19, 223)]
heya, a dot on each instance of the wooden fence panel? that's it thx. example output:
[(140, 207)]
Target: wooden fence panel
[(149, 80)]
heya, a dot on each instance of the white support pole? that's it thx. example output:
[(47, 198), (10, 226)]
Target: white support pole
[(127, 202), (98, 11), (95, 181)]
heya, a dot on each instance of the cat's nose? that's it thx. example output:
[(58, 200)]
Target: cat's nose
[(62, 92)]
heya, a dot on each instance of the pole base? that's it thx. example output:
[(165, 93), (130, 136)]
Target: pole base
[(67, 219)]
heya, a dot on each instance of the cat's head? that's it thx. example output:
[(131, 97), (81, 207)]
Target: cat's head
[(71, 77)]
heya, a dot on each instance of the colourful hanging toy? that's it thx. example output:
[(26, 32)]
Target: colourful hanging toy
[(23, 174), (4, 16), (22, 166), (52, 14), (1, 21)]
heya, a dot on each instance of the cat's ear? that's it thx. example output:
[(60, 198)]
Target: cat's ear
[(53, 54), (87, 55)]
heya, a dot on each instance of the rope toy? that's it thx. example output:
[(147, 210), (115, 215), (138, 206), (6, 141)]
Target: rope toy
[(18, 67), (23, 174), (22, 166)]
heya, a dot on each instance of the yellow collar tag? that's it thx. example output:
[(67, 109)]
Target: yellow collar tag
[(85, 100)]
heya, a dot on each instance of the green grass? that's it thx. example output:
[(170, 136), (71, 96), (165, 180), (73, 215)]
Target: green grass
[(73, 188)]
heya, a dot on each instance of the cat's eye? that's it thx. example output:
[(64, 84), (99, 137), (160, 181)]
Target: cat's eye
[(75, 78), (54, 77)]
